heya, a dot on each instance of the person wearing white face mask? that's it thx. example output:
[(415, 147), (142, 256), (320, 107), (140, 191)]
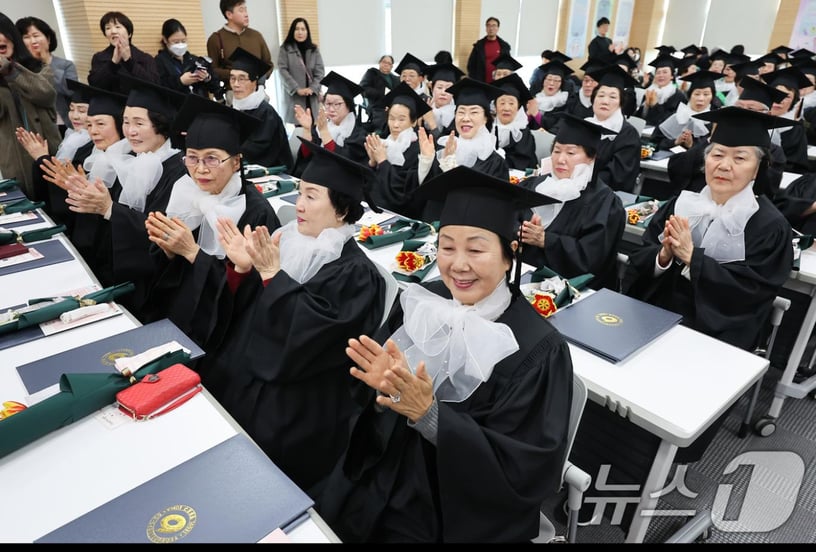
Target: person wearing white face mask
[(179, 69), (579, 233)]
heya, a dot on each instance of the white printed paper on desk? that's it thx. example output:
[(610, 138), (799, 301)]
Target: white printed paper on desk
[(104, 310), (370, 217), (31, 255), (17, 217)]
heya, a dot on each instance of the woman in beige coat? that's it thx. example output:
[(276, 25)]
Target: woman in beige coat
[(301, 69), (28, 100)]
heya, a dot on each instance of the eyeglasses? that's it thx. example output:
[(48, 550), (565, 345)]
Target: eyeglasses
[(336, 105), (240, 79), (211, 161), (552, 79)]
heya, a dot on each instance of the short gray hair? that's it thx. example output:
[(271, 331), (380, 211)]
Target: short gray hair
[(761, 152)]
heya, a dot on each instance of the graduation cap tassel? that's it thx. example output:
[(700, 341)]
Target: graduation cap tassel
[(517, 275)]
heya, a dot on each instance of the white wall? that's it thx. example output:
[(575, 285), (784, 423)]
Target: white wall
[(343, 39), (685, 22), (43, 9), (263, 17), (507, 12), (421, 27), (537, 28), (747, 22)]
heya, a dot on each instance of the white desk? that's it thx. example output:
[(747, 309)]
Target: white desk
[(71, 471), (659, 170), (811, 153), (675, 388)]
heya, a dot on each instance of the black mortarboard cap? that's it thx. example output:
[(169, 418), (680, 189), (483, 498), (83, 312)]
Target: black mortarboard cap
[(153, 97), (514, 85), (685, 63), (755, 89), (593, 65), (339, 173), (473, 92), (664, 60), (409, 61), (556, 68), (474, 198), (339, 85), (613, 75), (209, 124), (742, 127), (80, 93), (802, 53), (555, 55), (791, 77), (727, 57), (254, 66), (407, 96), (100, 102), (691, 50), (805, 65), (446, 72), (702, 79), (745, 68), (782, 49), (667, 50), (770, 58), (625, 59), (575, 130), (506, 61)]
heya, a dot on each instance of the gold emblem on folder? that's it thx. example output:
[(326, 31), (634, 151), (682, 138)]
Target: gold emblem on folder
[(171, 524), (608, 319), (109, 358)]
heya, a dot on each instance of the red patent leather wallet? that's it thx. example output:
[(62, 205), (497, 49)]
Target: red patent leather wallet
[(156, 394)]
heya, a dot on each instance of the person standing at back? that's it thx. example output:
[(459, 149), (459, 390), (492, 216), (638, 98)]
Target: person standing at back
[(235, 32), (600, 48), (301, 69), (485, 51), (121, 58)]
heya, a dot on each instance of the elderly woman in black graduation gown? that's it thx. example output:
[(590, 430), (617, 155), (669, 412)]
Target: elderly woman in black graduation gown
[(580, 232), (663, 96), (440, 120), (681, 128), (335, 126), (463, 432), (618, 160), (580, 103), (395, 159), (719, 257), (191, 284), (281, 371), (471, 145), (792, 139), (512, 130), (146, 179), (552, 98), (685, 169), (268, 145)]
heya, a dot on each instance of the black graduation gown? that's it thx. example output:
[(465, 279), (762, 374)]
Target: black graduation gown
[(663, 142), (268, 145), (374, 84), (396, 184), (686, 172), (575, 107), (353, 148), (494, 165), (131, 248), (521, 155), (794, 144), (499, 454), (584, 236), (618, 160), (728, 301), (54, 196), (794, 200), (195, 297), (282, 371), (92, 239), (660, 112)]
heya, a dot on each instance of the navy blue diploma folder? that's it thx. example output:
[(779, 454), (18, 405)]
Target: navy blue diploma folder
[(612, 325), (99, 356), (229, 493)]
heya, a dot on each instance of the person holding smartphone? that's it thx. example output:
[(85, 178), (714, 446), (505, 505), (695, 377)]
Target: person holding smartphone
[(180, 70)]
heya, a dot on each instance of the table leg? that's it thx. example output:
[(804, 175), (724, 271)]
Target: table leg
[(649, 495)]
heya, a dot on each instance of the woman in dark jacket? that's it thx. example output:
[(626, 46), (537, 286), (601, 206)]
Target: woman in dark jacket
[(179, 69)]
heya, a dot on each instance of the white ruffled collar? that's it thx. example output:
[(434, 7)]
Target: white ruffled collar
[(562, 189), (460, 344), (468, 150), (340, 132), (250, 102), (302, 256), (395, 148), (71, 142), (513, 129), (614, 123)]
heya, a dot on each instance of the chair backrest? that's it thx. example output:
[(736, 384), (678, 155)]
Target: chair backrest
[(638, 123), (622, 263), (286, 214), (579, 398), (391, 290), (543, 141), (294, 143)]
